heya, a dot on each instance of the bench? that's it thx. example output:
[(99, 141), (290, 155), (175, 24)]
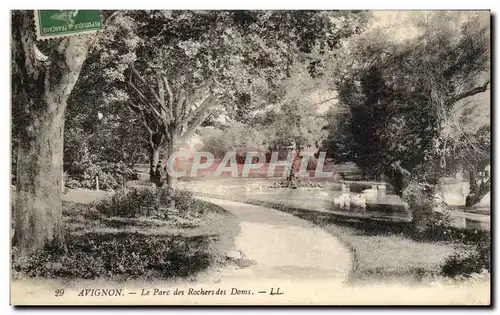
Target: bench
[(376, 186), (364, 182)]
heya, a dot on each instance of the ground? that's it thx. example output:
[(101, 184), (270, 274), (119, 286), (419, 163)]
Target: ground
[(284, 247), (274, 251), (377, 256), (381, 253), (268, 244), (110, 247)]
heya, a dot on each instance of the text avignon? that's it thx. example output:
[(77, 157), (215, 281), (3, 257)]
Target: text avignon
[(100, 292)]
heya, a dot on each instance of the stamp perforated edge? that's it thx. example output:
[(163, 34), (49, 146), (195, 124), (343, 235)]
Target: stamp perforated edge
[(39, 36)]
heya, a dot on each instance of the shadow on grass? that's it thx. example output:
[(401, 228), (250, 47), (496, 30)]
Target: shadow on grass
[(119, 256), (117, 248), (361, 226)]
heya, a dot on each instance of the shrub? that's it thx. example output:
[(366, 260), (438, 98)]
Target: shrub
[(149, 202), (111, 175), (123, 255), (182, 200), (420, 204), (71, 182), (436, 226), (237, 138), (466, 262), (439, 228)]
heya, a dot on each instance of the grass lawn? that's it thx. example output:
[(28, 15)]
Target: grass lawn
[(382, 251), (389, 257), (117, 248)]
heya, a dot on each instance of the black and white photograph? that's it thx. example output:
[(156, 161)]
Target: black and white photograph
[(250, 157)]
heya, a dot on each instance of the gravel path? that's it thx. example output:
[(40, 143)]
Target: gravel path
[(279, 246)]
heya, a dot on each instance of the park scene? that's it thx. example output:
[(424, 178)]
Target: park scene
[(330, 149)]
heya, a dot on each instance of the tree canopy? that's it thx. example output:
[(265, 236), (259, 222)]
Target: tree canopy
[(174, 68), (402, 96)]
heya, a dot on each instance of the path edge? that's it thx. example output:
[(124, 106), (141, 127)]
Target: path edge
[(349, 279)]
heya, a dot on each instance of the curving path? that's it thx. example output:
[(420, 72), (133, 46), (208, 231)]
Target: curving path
[(283, 247)]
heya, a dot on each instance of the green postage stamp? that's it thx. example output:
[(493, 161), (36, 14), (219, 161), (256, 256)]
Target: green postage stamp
[(59, 23)]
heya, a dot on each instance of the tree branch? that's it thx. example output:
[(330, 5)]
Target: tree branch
[(396, 165), (141, 79), (170, 97), (325, 101), (161, 91), (144, 100), (196, 95), (141, 96), (136, 109), (472, 92), (195, 124), (192, 114), (144, 121), (147, 122), (178, 105)]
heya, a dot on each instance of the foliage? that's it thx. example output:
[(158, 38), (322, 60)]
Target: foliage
[(116, 137), (111, 175), (101, 137), (148, 202), (422, 207), (235, 138), (99, 133), (119, 249), (466, 263), (297, 112), (405, 99), (158, 75), (118, 255), (440, 231), (368, 105), (294, 115), (99, 125), (291, 121), (393, 92), (173, 61)]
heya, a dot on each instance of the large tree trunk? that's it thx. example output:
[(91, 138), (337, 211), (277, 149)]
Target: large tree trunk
[(396, 179), (47, 83), (477, 190), (154, 157), (171, 149), (171, 113), (38, 215), (423, 203)]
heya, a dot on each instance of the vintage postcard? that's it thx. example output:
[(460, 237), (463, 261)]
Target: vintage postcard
[(250, 157)]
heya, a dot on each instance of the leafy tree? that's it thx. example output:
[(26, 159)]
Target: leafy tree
[(450, 64), (101, 136), (299, 113), (238, 137), (401, 96), (45, 76), (468, 137), (117, 134), (190, 62)]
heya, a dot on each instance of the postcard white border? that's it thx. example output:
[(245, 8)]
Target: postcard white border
[(192, 4)]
